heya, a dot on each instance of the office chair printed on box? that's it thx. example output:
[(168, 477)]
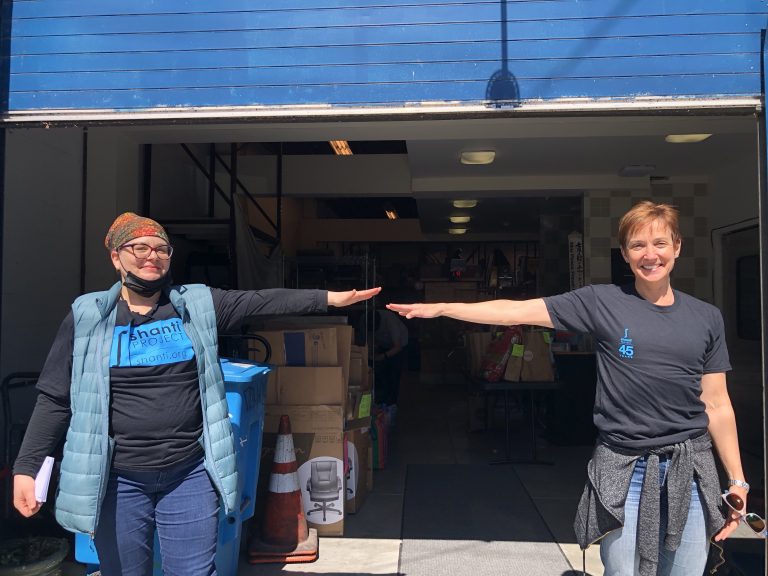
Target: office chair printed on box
[(324, 486)]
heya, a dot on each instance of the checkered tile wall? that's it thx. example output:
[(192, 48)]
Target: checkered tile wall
[(603, 209), (554, 274)]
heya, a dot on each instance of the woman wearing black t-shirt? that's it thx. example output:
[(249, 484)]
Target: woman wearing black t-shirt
[(133, 379), (661, 404)]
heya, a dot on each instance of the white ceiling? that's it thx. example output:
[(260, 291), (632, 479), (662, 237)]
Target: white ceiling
[(534, 156)]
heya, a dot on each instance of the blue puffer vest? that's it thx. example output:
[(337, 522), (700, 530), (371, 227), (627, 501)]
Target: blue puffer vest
[(88, 448)]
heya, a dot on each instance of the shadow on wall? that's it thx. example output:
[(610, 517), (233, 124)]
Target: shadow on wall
[(502, 89)]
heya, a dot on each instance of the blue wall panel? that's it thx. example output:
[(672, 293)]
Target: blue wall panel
[(96, 54)]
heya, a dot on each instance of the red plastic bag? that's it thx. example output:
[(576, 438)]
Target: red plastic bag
[(495, 359)]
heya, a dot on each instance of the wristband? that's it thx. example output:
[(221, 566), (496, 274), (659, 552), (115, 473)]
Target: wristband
[(739, 483)]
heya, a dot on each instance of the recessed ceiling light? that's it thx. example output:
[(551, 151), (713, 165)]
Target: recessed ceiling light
[(477, 156), (457, 230), (464, 203), (340, 147), (390, 211), (686, 138), (636, 170), (459, 219)]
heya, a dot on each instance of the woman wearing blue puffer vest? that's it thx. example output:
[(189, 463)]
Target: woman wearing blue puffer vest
[(134, 381)]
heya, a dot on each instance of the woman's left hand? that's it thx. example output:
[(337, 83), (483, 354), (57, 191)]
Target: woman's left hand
[(339, 299), (733, 519)]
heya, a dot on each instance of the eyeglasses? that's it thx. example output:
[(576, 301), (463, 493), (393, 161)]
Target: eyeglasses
[(751, 519), (143, 251)]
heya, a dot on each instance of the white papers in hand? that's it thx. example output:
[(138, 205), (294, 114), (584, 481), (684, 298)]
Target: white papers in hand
[(42, 479)]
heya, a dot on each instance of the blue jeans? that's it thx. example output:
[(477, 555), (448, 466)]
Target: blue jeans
[(618, 551), (179, 501)]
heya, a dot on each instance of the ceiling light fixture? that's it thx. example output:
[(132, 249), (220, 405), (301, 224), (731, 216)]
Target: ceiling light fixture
[(477, 156), (457, 230), (459, 219), (390, 211), (464, 203), (341, 147), (686, 138)]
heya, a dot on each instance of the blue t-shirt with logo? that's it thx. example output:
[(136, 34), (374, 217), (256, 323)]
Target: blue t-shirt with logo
[(151, 344), (650, 360), (155, 414)]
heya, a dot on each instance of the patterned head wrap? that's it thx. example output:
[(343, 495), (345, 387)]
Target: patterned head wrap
[(128, 226)]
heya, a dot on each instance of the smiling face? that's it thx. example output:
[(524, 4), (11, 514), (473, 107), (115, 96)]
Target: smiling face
[(149, 268), (650, 252)]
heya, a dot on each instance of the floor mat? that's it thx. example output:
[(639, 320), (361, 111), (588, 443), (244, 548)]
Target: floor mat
[(473, 521)]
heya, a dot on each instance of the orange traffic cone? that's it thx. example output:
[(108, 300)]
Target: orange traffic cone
[(285, 537)]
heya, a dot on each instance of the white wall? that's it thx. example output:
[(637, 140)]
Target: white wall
[(114, 187), (179, 188), (42, 229), (734, 190), (603, 209), (41, 241)]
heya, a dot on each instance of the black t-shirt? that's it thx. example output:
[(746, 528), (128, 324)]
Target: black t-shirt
[(650, 360), (154, 411), (155, 414)]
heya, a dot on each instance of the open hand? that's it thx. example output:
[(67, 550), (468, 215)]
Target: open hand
[(339, 299), (733, 519), (24, 495), (416, 310)]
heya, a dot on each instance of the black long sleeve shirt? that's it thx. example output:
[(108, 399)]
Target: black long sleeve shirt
[(155, 415)]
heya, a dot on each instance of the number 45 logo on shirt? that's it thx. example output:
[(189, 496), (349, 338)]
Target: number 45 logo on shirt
[(626, 348)]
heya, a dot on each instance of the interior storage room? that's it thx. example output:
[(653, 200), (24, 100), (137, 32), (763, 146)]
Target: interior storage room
[(473, 449)]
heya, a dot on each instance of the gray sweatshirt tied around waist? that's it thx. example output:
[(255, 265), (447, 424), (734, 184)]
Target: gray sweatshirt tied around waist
[(601, 509)]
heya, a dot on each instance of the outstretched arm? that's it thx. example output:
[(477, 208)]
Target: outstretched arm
[(722, 428), (497, 312), (234, 306), (339, 299)]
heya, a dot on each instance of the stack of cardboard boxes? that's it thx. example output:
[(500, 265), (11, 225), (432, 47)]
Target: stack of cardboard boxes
[(322, 382)]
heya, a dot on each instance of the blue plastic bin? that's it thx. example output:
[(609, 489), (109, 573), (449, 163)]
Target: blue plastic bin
[(246, 385)]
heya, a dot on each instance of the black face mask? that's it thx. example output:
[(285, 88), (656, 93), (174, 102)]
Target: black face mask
[(143, 287)]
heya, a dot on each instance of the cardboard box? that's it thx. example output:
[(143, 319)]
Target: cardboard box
[(515, 362), (302, 385), (318, 437), (359, 402), (275, 340), (271, 397), (358, 408), (303, 347), (359, 477), (324, 345), (358, 366), (537, 358), (345, 335)]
